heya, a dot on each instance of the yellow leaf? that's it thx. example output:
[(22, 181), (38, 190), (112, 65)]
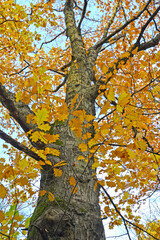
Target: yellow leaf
[(72, 181), (95, 186), (104, 129), (83, 147), (41, 163), (111, 184), (106, 209), (51, 137), (23, 164), (123, 99), (86, 136), (74, 190), (42, 192), (57, 172), (105, 107), (3, 191), (41, 154), (125, 55), (52, 151), (62, 112), (74, 101), (142, 144), (119, 108), (80, 157), (37, 135), (89, 118), (104, 69), (125, 196), (48, 162), (2, 216), (110, 95), (92, 142), (51, 197), (62, 163), (41, 116), (95, 165), (45, 127)]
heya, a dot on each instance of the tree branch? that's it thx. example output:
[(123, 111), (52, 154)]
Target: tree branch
[(5, 235), (146, 24), (123, 218), (18, 110), (83, 14), (152, 43), (73, 32), (106, 38), (19, 146), (52, 39)]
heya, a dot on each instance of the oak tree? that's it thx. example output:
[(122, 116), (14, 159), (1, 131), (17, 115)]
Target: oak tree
[(79, 94)]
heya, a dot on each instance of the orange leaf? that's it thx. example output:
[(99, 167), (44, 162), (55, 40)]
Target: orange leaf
[(42, 192), (83, 147), (2, 216), (72, 181), (51, 197), (57, 172), (3, 191)]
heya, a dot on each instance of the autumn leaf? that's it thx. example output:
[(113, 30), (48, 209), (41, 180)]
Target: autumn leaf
[(74, 190), (111, 94), (3, 191), (80, 157), (42, 193), (123, 99), (2, 216), (57, 172), (51, 197), (48, 162), (41, 116), (83, 147), (72, 181), (62, 163)]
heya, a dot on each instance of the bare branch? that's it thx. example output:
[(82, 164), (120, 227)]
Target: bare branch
[(56, 71), (153, 21), (61, 33), (5, 235), (19, 146), (83, 14), (60, 85)]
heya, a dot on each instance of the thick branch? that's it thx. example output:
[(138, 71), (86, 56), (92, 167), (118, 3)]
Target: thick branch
[(152, 43), (18, 110), (19, 146), (73, 32)]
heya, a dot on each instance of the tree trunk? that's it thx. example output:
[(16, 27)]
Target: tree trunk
[(70, 215)]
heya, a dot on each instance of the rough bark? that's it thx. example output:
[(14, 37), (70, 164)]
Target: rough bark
[(71, 215)]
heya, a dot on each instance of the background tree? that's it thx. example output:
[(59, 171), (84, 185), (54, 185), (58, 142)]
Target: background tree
[(79, 90)]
